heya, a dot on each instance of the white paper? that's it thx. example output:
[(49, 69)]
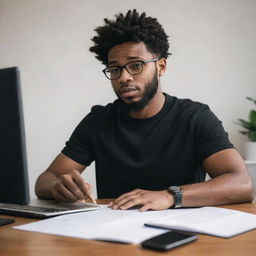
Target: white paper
[(209, 220), (103, 224), (128, 225)]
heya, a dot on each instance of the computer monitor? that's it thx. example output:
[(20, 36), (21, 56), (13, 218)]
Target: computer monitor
[(14, 186)]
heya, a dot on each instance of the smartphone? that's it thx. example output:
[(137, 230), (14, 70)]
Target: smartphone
[(5, 221), (168, 241)]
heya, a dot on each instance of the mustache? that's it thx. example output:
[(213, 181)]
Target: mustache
[(127, 88)]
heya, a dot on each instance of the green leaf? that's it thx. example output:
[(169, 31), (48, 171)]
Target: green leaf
[(251, 99), (246, 124), (252, 116), (252, 135)]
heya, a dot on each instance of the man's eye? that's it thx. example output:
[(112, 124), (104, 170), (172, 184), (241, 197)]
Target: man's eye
[(135, 66), (113, 70)]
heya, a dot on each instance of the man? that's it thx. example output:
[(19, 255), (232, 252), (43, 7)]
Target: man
[(151, 150)]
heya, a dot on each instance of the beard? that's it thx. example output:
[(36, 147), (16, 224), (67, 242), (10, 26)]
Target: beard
[(150, 91)]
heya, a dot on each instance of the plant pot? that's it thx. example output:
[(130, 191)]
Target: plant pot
[(250, 150)]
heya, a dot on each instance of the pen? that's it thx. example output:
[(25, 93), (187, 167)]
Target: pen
[(92, 199), (83, 200)]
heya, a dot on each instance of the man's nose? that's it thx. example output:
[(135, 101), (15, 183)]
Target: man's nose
[(125, 76)]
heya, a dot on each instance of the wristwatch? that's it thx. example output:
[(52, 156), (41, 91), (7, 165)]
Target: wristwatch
[(177, 194)]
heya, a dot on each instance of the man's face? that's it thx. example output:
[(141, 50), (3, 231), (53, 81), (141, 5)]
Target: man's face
[(135, 91)]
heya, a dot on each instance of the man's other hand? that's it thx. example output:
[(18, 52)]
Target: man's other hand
[(145, 199)]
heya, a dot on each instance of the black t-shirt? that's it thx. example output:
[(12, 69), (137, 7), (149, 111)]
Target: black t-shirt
[(154, 153)]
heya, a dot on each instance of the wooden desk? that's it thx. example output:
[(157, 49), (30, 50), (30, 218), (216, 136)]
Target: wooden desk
[(16, 242)]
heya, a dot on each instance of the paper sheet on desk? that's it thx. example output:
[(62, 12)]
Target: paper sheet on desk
[(209, 220), (103, 224), (128, 225)]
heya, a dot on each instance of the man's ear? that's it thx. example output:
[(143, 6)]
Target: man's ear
[(161, 64)]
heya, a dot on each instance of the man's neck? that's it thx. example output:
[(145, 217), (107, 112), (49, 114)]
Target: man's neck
[(154, 106)]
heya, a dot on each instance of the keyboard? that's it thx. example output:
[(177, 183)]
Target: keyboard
[(44, 212), (29, 208)]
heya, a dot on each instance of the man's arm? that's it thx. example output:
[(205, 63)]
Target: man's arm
[(230, 183), (62, 181)]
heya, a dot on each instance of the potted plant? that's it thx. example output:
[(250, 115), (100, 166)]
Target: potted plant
[(250, 131)]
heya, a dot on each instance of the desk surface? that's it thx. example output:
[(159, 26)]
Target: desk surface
[(16, 242)]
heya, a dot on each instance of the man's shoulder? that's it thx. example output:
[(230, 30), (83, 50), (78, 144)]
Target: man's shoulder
[(188, 105), (104, 110), (100, 114)]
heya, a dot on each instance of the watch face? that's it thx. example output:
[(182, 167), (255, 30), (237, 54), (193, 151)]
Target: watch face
[(174, 188)]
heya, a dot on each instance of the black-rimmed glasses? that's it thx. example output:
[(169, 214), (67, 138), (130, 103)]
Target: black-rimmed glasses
[(133, 68)]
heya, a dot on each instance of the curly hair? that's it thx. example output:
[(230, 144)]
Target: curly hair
[(131, 27)]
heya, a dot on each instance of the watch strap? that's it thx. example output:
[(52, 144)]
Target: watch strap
[(177, 194)]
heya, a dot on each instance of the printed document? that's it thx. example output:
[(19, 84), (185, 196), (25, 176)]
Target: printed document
[(130, 225), (104, 224), (208, 220)]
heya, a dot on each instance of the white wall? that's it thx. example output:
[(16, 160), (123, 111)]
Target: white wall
[(214, 61)]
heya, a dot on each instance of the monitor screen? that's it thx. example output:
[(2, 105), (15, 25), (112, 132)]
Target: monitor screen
[(14, 186)]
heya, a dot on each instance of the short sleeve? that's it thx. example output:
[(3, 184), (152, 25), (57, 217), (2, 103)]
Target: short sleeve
[(209, 134), (78, 147)]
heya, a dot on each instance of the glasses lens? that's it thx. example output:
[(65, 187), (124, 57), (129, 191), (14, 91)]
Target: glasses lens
[(112, 72), (135, 68)]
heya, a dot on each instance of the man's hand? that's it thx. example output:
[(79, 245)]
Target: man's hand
[(148, 200), (70, 187)]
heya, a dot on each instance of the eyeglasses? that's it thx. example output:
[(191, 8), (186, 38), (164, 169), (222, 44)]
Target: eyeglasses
[(133, 68)]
